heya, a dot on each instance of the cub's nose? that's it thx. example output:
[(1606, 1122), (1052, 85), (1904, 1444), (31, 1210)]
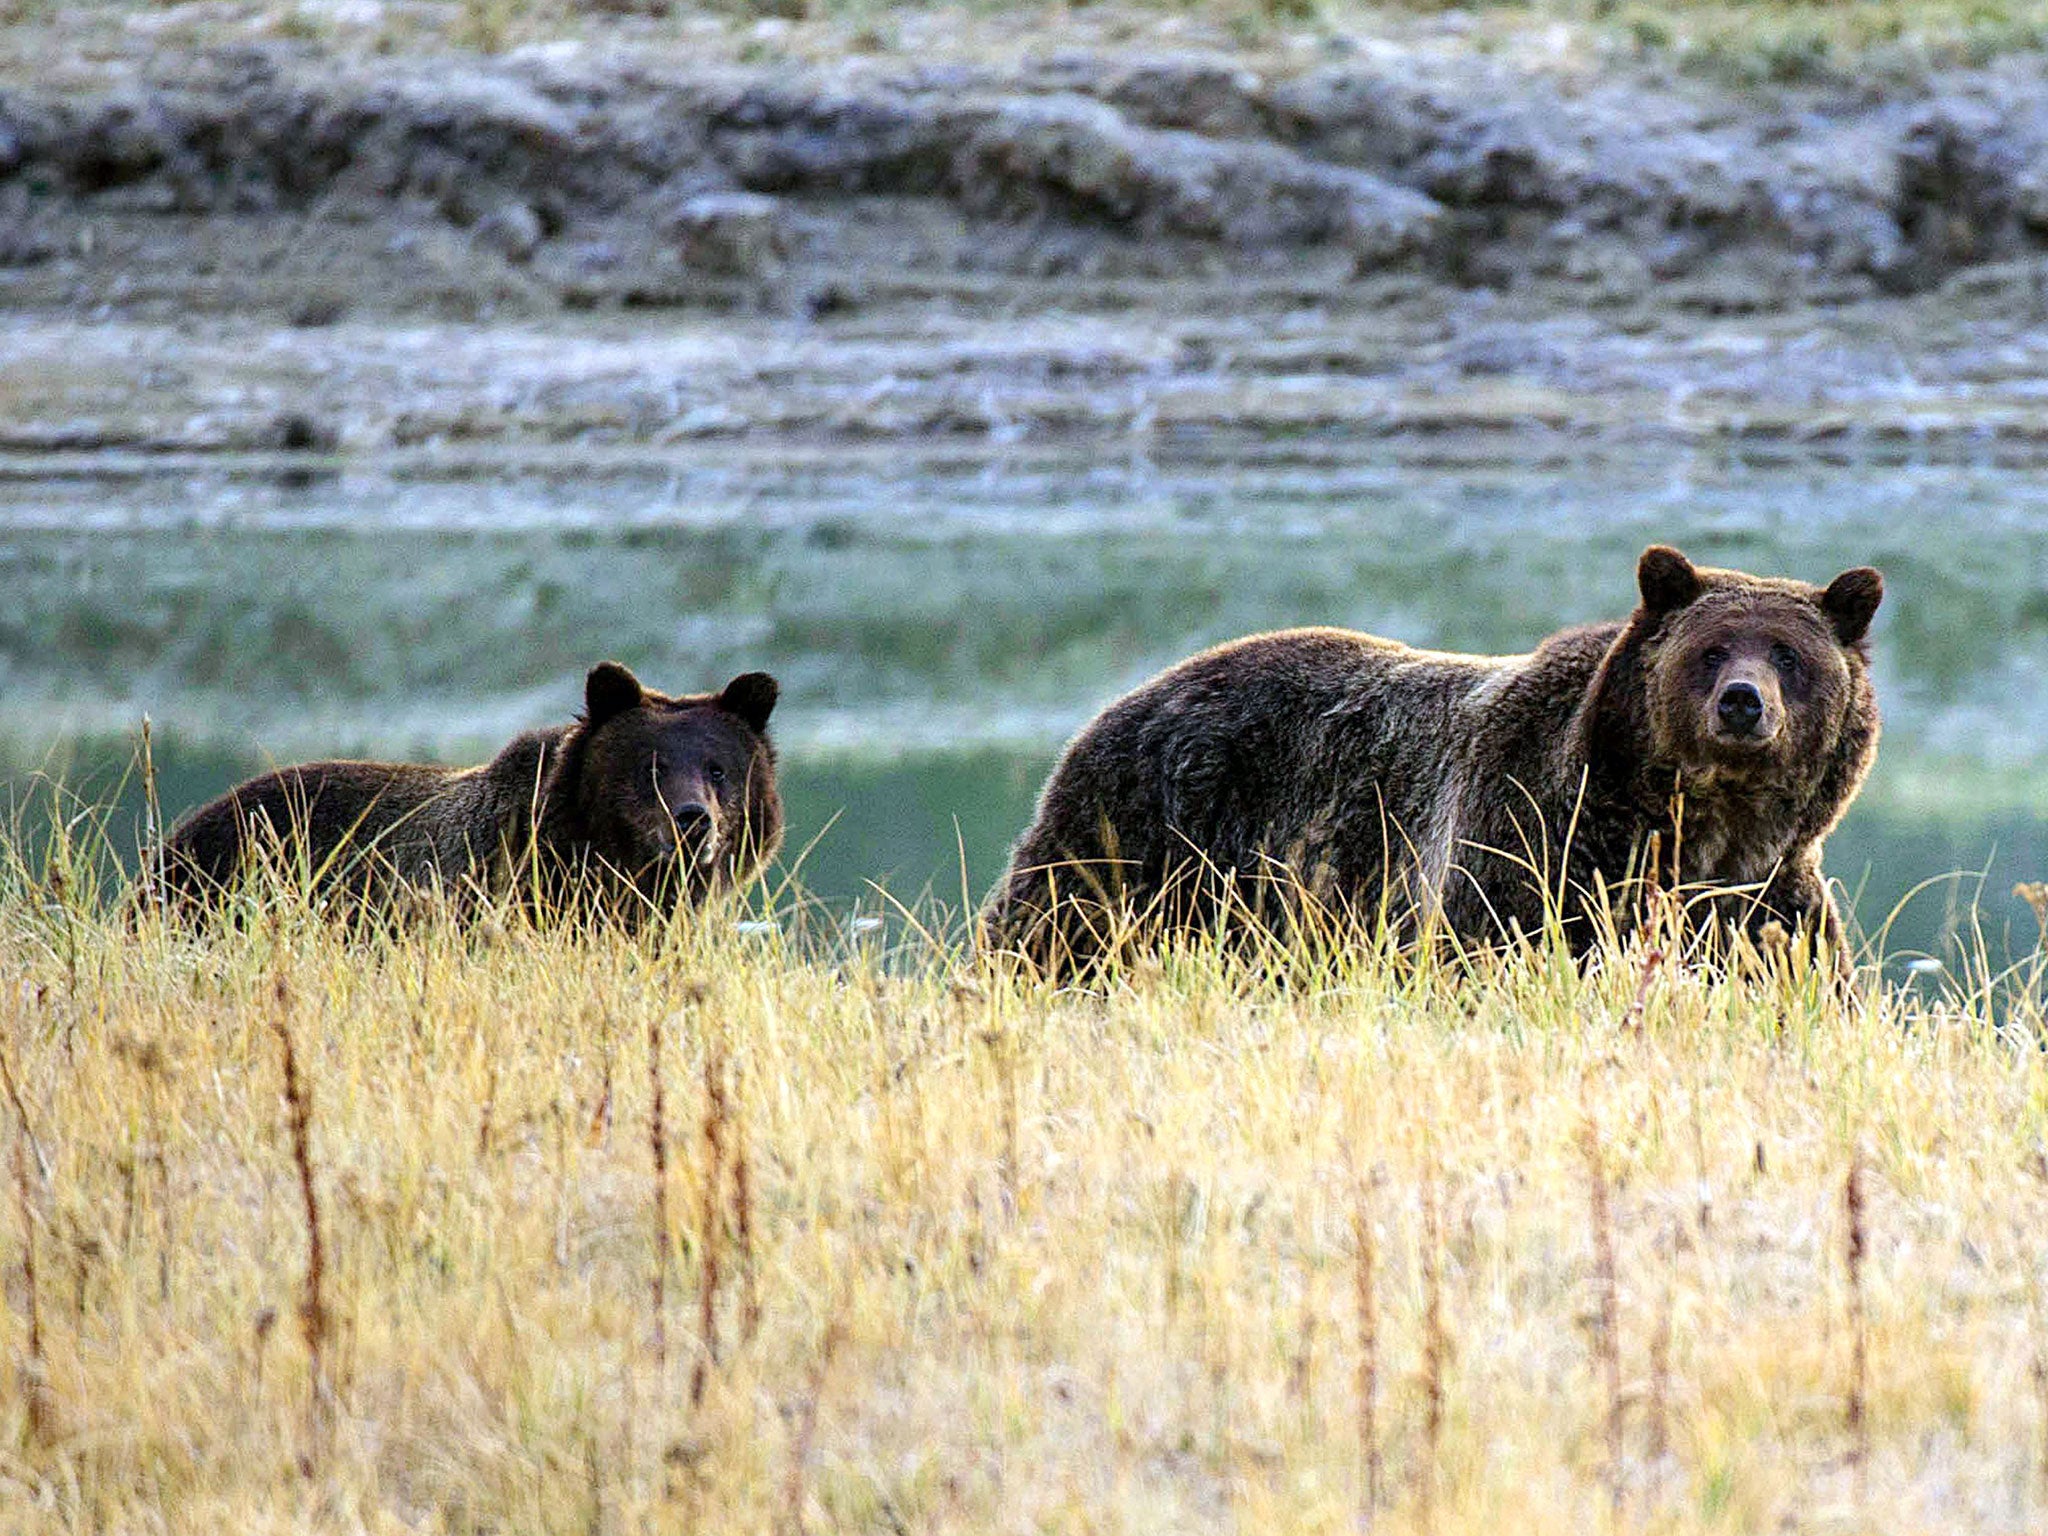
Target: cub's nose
[(692, 819), (1740, 708)]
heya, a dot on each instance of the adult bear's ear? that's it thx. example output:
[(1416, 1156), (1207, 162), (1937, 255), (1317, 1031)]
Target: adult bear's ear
[(610, 690), (752, 697), (1851, 601), (1666, 579)]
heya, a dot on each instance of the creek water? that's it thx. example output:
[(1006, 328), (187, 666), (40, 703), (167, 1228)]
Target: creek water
[(941, 621)]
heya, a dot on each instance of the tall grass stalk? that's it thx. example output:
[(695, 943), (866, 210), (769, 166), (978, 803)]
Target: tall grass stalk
[(804, 1437), (743, 1216), (2040, 1375), (1366, 1299), (1856, 1401), (1436, 1346), (1657, 1434), (313, 1313), (711, 1228), (34, 1374), (657, 1143), (1607, 1312)]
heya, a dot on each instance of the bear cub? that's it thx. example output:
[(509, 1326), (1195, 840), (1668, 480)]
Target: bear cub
[(641, 803), (1726, 724)]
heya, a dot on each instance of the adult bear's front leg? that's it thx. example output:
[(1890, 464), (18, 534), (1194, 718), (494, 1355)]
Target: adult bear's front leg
[(1798, 900)]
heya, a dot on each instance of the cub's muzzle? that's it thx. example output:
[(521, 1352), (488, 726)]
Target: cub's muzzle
[(696, 832)]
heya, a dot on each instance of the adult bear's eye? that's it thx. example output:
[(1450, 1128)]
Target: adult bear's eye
[(1785, 659), (1713, 657), (715, 774)]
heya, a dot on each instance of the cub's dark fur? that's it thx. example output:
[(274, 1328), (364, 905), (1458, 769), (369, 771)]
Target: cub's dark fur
[(642, 802), (1730, 715)]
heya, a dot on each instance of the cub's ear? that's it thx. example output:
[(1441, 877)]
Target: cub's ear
[(1851, 600), (1666, 579), (610, 690), (752, 697)]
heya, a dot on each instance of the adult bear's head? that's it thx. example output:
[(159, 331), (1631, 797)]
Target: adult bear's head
[(676, 794), (1751, 679)]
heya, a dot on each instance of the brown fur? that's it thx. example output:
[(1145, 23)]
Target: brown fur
[(641, 802), (1384, 781)]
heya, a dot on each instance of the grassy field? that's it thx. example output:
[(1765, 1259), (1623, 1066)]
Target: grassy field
[(732, 1230), (1743, 41)]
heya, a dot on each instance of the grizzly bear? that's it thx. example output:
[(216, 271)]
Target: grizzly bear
[(643, 802), (1722, 729)]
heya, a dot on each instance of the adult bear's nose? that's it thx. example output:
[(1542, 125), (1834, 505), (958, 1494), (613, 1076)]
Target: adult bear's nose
[(1740, 708), (692, 819)]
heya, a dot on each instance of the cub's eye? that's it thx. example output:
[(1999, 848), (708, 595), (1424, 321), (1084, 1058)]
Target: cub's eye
[(1785, 659), (1714, 656), (715, 774)]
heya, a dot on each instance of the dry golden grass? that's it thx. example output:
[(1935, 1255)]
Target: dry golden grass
[(982, 1257)]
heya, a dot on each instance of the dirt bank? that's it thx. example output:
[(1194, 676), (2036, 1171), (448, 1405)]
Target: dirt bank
[(283, 246)]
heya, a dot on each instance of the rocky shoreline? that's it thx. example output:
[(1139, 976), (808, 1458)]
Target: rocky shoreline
[(270, 247)]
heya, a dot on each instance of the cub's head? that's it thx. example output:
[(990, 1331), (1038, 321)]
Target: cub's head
[(1752, 679), (678, 794)]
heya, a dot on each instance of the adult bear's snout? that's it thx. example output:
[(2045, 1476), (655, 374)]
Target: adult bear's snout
[(1740, 709)]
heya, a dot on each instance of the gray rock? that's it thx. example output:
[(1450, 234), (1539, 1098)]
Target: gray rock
[(595, 256), (790, 138), (319, 307), (1959, 173), (1497, 169), (297, 432), (513, 230), (1071, 157), (1216, 97), (732, 234)]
